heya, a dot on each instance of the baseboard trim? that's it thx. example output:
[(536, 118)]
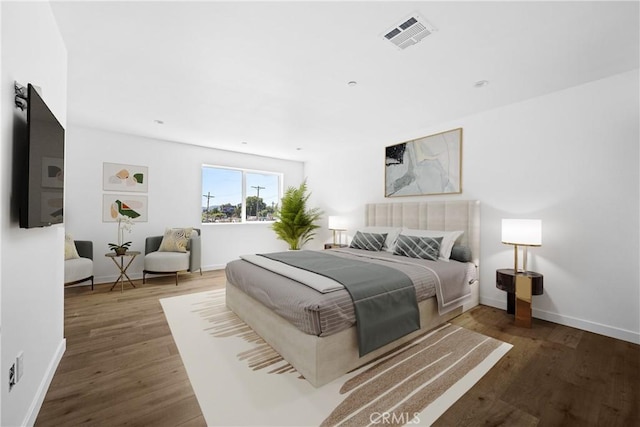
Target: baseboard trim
[(598, 328), (36, 404), (492, 302), (574, 322), (112, 278), (138, 275), (215, 267)]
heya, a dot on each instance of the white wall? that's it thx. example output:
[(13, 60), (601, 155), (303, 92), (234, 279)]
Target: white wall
[(4, 94), (31, 310), (174, 195), (570, 159)]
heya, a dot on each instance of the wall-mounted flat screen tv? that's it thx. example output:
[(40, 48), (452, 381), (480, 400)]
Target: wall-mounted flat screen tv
[(42, 194)]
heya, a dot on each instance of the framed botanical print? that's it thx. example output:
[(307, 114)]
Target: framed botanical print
[(133, 206)]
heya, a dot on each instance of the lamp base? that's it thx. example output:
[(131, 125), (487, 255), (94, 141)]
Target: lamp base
[(524, 259)]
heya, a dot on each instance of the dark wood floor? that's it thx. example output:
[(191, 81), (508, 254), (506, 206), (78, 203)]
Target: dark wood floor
[(553, 376), (122, 367)]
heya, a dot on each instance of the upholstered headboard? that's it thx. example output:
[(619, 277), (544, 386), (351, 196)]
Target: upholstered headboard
[(442, 215)]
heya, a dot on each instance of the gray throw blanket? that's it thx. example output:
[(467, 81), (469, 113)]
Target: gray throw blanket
[(384, 298)]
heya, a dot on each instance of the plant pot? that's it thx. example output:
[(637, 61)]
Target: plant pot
[(120, 251)]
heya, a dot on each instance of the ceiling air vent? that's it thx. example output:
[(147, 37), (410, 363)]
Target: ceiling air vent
[(409, 31)]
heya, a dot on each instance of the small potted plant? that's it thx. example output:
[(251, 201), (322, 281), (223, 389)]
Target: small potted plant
[(124, 223), (295, 223), (120, 249)]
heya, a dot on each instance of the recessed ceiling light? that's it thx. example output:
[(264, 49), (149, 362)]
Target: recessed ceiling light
[(352, 83), (298, 148), (159, 122), (481, 83)]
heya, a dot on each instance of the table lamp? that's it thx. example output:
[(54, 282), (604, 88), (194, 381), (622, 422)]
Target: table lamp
[(521, 232), (339, 224)]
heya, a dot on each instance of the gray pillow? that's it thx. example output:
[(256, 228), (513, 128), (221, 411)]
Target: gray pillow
[(461, 253), (368, 241), (418, 247)]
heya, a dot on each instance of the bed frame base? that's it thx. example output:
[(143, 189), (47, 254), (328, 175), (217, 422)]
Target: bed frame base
[(323, 359)]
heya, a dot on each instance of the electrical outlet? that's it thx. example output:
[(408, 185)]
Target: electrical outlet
[(12, 376), (19, 366)]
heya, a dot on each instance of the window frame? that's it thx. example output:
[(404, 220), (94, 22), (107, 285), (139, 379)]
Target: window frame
[(243, 201)]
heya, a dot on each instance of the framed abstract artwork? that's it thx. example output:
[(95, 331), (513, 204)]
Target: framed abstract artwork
[(425, 166), (120, 177), (135, 207)]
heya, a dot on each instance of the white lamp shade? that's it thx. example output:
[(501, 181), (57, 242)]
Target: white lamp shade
[(337, 222), (526, 232)]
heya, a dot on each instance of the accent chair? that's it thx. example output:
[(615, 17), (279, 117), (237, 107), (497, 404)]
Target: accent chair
[(79, 269), (178, 250)]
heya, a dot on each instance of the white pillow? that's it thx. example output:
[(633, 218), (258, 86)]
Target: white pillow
[(448, 239), (392, 235)]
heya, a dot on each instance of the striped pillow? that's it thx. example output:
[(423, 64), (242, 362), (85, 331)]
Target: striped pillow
[(368, 241), (418, 247)]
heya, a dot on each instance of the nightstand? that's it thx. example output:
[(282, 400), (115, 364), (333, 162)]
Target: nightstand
[(520, 287), (335, 245)]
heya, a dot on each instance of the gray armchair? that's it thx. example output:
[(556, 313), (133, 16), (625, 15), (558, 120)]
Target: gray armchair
[(78, 270), (162, 262)]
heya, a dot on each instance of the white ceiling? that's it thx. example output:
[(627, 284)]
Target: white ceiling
[(274, 74)]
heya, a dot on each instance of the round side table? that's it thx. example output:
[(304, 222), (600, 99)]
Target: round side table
[(123, 268)]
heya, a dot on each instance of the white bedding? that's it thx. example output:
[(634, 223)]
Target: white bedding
[(316, 281)]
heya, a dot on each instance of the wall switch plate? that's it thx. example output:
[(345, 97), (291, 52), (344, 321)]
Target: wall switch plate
[(19, 366)]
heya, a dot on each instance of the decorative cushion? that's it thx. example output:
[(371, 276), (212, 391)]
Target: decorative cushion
[(368, 241), (175, 240), (448, 239), (70, 250), (461, 253), (391, 232), (418, 247)]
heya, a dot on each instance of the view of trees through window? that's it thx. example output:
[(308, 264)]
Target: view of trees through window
[(237, 195)]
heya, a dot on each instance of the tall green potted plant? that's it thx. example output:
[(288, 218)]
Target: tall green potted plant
[(295, 223)]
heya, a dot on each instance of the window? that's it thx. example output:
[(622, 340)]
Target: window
[(239, 195)]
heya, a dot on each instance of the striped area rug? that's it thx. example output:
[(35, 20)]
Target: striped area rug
[(238, 379)]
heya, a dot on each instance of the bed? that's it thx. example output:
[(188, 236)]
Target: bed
[(322, 350)]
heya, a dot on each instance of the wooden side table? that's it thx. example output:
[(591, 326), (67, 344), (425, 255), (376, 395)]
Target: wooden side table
[(122, 267), (520, 287)]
